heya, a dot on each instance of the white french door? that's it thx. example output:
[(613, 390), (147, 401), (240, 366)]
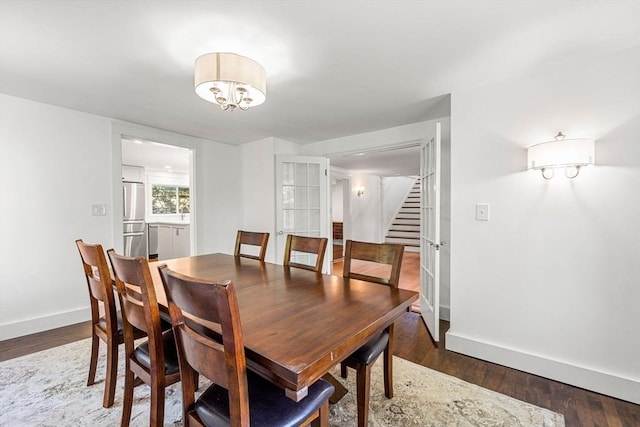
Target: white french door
[(430, 232), (302, 208)]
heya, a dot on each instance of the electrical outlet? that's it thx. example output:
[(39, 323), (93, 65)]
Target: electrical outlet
[(482, 212), (99, 210)]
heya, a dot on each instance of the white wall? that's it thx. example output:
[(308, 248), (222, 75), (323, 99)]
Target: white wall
[(551, 284), (336, 201), (258, 187), (366, 210), (54, 164), (258, 190), (445, 220), (218, 189)]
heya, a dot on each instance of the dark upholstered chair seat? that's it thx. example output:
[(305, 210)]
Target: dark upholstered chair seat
[(165, 321), (102, 322), (171, 365), (268, 405), (368, 353)]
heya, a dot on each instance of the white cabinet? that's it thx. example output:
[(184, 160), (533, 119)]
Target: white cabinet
[(181, 241), (165, 242), (132, 173), (173, 241)]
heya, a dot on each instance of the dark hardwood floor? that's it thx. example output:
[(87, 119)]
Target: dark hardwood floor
[(581, 408)]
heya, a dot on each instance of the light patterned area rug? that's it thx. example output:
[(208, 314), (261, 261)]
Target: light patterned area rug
[(49, 389)]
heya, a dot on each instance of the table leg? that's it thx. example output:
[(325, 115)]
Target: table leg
[(340, 390)]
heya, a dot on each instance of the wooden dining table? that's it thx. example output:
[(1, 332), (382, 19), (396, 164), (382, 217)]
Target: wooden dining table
[(297, 324)]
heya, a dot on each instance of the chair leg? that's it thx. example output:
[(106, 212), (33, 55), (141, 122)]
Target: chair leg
[(127, 399), (93, 363), (343, 370), (156, 407), (323, 416), (362, 394), (388, 373), (112, 373)]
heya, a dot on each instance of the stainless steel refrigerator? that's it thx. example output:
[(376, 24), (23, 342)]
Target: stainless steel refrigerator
[(134, 227)]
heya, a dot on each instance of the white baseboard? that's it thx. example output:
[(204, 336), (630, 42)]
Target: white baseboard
[(445, 313), (45, 323), (600, 382)]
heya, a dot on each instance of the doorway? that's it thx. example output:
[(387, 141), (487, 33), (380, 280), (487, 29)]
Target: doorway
[(340, 212), (163, 172), (368, 191)]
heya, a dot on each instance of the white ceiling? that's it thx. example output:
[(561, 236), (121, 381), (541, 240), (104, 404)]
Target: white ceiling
[(396, 162), (334, 68), (155, 156)]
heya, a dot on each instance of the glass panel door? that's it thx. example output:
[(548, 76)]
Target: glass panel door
[(301, 202)]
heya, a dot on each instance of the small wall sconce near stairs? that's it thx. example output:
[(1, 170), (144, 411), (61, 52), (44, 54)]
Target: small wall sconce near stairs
[(359, 190), (570, 154)]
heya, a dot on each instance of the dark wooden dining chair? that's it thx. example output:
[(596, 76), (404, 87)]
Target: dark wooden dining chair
[(237, 397), (362, 359), (155, 361), (309, 245), (107, 327), (251, 238)]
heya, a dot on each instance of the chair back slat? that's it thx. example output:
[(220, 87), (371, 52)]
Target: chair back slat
[(138, 299), (135, 313), (96, 287), (250, 238), (205, 355), (219, 357), (98, 276), (381, 253), (310, 245)]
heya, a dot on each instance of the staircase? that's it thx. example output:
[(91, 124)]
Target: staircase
[(405, 227)]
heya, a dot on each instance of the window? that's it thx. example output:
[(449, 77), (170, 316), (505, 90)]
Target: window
[(169, 199)]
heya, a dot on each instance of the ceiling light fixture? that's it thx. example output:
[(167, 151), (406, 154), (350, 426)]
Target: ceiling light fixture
[(230, 80), (570, 154)]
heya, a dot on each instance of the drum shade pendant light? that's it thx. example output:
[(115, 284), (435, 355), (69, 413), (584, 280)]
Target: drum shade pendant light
[(571, 154), (230, 80)]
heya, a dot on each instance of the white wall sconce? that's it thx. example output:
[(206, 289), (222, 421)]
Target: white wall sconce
[(570, 154), (359, 189)]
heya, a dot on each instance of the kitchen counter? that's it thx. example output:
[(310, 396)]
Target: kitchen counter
[(169, 239), (169, 223)]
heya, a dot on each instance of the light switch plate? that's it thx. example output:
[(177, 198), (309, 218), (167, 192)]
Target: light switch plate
[(99, 210), (482, 212)]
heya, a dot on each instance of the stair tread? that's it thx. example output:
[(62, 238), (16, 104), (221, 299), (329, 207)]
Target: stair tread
[(402, 238), (405, 227)]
